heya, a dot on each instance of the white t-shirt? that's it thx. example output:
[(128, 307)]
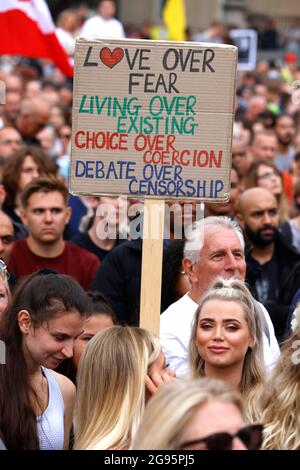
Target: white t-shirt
[(97, 26), (175, 332)]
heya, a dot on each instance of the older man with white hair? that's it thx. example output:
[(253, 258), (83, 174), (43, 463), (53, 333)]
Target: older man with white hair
[(214, 247)]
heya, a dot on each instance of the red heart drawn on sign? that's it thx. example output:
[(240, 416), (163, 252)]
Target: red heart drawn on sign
[(111, 58)]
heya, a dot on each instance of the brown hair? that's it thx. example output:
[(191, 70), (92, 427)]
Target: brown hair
[(250, 181), (44, 184), (13, 167), (45, 295)]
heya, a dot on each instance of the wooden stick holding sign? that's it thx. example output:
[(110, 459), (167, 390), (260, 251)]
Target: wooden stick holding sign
[(153, 233), (152, 119)]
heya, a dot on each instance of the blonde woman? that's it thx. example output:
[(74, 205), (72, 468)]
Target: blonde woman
[(111, 394), (226, 341), (282, 398), (201, 414)]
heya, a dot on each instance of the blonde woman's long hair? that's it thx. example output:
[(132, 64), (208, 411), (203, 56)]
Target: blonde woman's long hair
[(252, 380), (169, 411), (282, 399), (111, 387)]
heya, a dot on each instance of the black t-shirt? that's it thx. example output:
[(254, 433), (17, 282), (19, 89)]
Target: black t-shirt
[(267, 282)]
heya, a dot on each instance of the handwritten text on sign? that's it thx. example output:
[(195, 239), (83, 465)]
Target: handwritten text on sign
[(152, 119)]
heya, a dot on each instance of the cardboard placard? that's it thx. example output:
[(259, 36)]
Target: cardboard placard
[(152, 119)]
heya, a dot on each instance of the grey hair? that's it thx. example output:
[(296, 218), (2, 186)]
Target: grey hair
[(195, 235)]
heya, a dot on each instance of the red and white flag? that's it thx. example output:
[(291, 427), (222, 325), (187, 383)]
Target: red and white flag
[(27, 29)]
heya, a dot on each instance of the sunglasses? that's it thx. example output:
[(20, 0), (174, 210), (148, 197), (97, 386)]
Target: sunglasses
[(251, 436)]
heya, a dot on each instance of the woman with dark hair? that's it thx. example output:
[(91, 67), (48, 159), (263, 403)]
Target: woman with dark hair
[(21, 168), (45, 317), (265, 174), (101, 317)]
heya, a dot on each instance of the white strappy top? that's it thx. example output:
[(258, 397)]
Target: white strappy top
[(50, 425)]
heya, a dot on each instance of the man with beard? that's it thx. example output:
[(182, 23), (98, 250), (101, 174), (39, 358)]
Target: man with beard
[(273, 267), (285, 132)]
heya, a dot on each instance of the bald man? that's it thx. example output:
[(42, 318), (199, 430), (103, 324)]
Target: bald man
[(273, 267)]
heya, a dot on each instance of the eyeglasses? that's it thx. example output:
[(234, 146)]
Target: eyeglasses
[(251, 436), (268, 174)]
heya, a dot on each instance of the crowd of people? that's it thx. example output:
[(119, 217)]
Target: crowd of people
[(79, 372)]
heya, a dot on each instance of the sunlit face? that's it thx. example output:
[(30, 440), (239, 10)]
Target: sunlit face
[(29, 171), (214, 417), (223, 336), (92, 325), (53, 341), (3, 297), (221, 255)]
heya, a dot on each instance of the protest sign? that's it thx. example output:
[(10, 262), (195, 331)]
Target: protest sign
[(153, 119)]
